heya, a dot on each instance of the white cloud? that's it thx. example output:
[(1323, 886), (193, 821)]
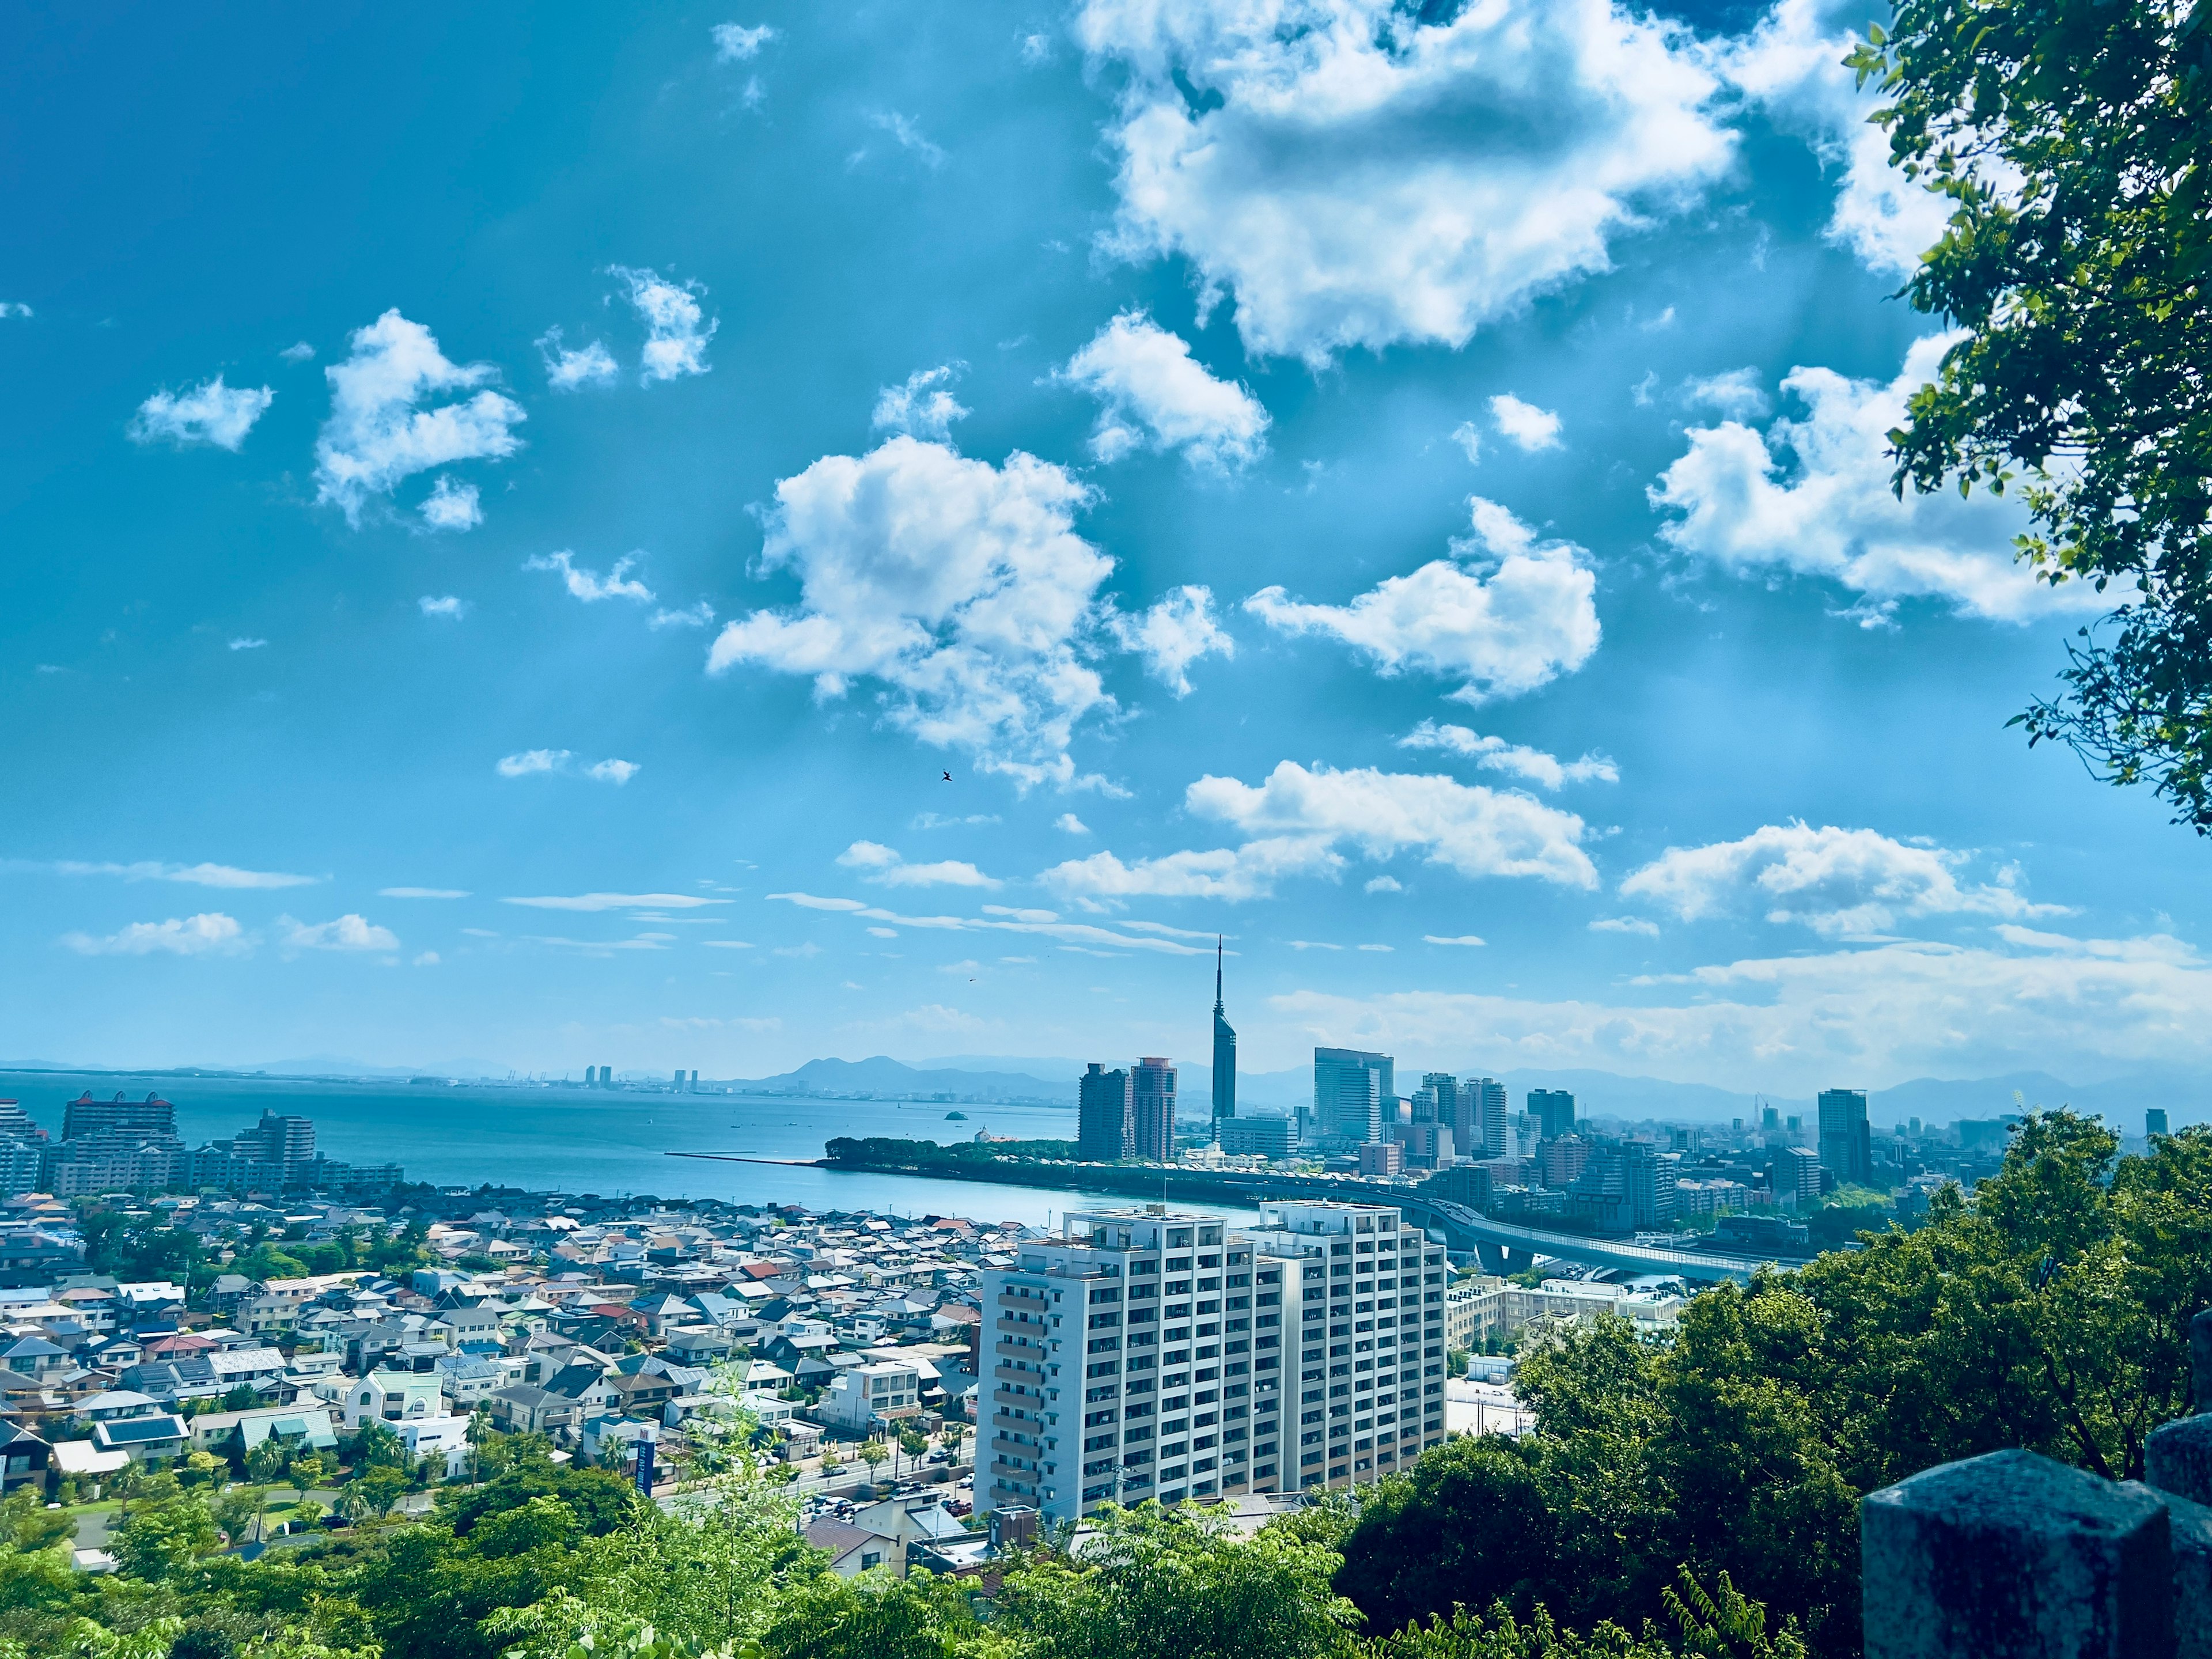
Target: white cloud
[(597, 902), (1738, 394), (1174, 634), (1003, 918), (1384, 885), (224, 876), (209, 934), (12, 308), (924, 407), (677, 331), (1454, 939), (426, 959), (1792, 65), (909, 136), (1155, 395), (209, 413), (616, 772), (1530, 427), (1302, 822), (567, 371), (423, 892), (1494, 754), (1506, 613), (1035, 49), (886, 868), (348, 932), (1379, 948), (378, 433), (1813, 496), (734, 43), (1847, 882), (533, 761), (1876, 1016), (588, 584), (1468, 436), (1068, 823), (960, 588), (1625, 924), (249, 645), (298, 352), (1355, 176), (450, 505), (701, 615), (453, 609)]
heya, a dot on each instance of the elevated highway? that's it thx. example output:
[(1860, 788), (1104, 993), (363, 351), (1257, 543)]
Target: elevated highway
[(1506, 1247)]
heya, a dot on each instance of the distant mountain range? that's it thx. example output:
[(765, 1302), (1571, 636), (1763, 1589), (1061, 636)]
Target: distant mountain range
[(2187, 1096)]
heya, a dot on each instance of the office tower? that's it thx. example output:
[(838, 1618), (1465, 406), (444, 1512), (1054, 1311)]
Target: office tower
[(1652, 1178), (1796, 1175), (1103, 1388), (1440, 1090), (1846, 1148), (1554, 1111), (1369, 1388), (1225, 1054), (1349, 1088), (1769, 1119), (152, 1117), (1490, 1118), (1105, 1126), (2153, 1121), (606, 1077), (1152, 1108)]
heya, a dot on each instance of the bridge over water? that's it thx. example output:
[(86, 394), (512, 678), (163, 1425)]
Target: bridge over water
[(1506, 1247)]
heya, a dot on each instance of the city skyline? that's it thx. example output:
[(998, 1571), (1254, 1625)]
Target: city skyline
[(466, 627)]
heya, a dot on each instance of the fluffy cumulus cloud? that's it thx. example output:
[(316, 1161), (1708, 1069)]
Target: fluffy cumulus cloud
[(380, 431), (1172, 635), (1357, 174), (538, 762), (348, 932), (1494, 754), (922, 407), (588, 584), (1838, 881), (568, 370), (209, 413), (736, 43), (1154, 394), (1304, 820), (209, 934), (883, 867), (1875, 1015), (1812, 495), (959, 587), (449, 607), (1791, 65), (1505, 614), (450, 505), (676, 329), (1527, 427)]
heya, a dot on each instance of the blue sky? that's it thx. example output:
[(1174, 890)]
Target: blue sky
[(509, 519)]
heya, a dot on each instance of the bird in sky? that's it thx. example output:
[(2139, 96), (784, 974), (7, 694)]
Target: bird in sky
[(948, 777)]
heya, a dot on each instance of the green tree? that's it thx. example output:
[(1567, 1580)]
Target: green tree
[(2069, 138), (875, 1616), (872, 1454), (1178, 1584), (163, 1538), (265, 1462), (381, 1488)]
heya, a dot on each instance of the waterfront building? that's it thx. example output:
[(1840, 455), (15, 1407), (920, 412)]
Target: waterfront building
[(1554, 1110), (1260, 1137), (1846, 1145), (1105, 1117), (1351, 1089), (1152, 1108), (150, 1119), (1224, 1054)]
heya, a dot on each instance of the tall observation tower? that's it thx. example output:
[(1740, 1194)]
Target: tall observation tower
[(1224, 1054)]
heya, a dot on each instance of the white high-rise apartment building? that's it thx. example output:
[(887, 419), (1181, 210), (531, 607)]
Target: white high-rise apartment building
[(1123, 1365), (1147, 1353), (1369, 1342)]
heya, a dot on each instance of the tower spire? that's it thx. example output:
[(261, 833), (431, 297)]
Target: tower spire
[(1217, 976)]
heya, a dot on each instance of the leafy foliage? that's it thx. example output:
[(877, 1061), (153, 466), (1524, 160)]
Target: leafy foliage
[(2070, 138)]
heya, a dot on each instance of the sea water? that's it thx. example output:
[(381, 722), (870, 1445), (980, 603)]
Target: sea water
[(611, 1142)]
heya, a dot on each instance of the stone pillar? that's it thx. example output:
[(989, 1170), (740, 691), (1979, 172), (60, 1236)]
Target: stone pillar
[(2013, 1556), (2191, 1525), (2177, 1457)]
